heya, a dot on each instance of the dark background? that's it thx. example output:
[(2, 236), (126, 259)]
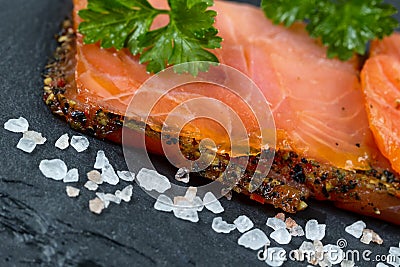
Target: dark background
[(41, 226)]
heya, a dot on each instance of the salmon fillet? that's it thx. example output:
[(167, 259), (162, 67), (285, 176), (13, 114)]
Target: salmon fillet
[(325, 148), (381, 86)]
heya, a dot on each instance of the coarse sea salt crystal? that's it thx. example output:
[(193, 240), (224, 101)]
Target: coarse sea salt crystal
[(276, 223), (90, 185), (101, 160), (62, 142), (182, 175), (356, 229), (164, 203), (112, 198), (394, 261), (307, 247), (315, 231), (198, 203), (212, 204), (324, 262), (72, 191), (221, 226), (95, 176), (281, 236), (191, 193), (125, 194), (152, 180), (34, 136), (102, 197), (53, 169), (297, 231), (19, 125), (347, 263), (182, 210), (72, 176), (26, 145), (334, 254), (126, 176), (394, 251), (107, 198), (243, 223), (369, 235), (108, 174), (254, 239), (96, 205), (80, 143), (276, 256)]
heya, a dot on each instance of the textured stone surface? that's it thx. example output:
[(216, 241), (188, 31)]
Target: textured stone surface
[(41, 226)]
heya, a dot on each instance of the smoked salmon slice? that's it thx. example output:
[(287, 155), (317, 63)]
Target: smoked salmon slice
[(381, 86), (325, 148)]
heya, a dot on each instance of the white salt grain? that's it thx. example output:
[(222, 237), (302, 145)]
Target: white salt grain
[(394, 261), (90, 185), (221, 226), (26, 145), (101, 160), (72, 191), (315, 231), (80, 143), (334, 254), (53, 169), (125, 194), (318, 249), (356, 229), (394, 251), (198, 203), (108, 174), (276, 223), (347, 263), (19, 125), (95, 176), (381, 264), (96, 205), (275, 256), (243, 223), (281, 236), (183, 210), (369, 235), (307, 247), (191, 193), (152, 180), (72, 176), (107, 198), (102, 197), (212, 204), (126, 176), (62, 142), (112, 198), (164, 203), (182, 175), (297, 231), (254, 239), (324, 262), (34, 136)]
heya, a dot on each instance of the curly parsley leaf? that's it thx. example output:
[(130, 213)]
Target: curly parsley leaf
[(344, 26), (126, 23)]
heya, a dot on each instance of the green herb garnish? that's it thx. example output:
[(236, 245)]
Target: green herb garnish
[(126, 23), (344, 26)]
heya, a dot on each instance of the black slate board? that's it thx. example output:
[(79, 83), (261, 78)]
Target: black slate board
[(41, 226)]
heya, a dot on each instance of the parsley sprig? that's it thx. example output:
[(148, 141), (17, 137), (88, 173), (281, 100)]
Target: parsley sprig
[(344, 26), (126, 24)]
